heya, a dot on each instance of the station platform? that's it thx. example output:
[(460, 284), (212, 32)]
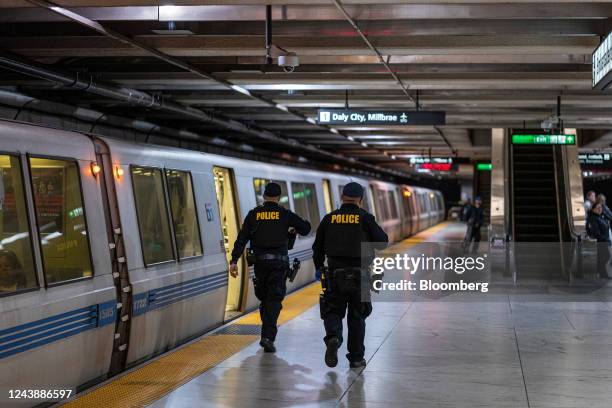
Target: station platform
[(507, 351)]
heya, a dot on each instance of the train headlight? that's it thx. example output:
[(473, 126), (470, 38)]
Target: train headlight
[(95, 169), (118, 172)]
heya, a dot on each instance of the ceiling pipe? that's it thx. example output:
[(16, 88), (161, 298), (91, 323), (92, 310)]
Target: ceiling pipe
[(24, 103), (139, 98), (385, 62), (94, 25)]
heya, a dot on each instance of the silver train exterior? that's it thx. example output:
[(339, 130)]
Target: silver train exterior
[(125, 246)]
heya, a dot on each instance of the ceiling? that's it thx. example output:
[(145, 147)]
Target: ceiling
[(486, 63)]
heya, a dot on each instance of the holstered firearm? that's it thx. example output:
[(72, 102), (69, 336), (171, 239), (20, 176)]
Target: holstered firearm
[(375, 277), (294, 269), (250, 257)]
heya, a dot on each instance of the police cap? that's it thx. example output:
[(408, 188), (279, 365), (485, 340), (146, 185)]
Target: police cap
[(353, 189), (272, 190)]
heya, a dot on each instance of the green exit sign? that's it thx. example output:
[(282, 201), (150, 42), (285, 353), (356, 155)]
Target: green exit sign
[(544, 139), (484, 166)]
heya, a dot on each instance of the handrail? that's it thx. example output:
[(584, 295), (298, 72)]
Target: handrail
[(576, 235)]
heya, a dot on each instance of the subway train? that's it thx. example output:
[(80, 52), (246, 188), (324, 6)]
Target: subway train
[(112, 252)]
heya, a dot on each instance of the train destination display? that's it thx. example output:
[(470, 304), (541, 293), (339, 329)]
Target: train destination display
[(376, 117)]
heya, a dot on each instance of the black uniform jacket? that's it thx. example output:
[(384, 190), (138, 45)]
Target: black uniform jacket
[(266, 227), (598, 227), (341, 234)]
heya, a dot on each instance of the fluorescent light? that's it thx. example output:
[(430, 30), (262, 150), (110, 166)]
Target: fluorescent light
[(364, 144), (240, 89), (282, 107), (311, 120), (334, 131), (351, 138), (168, 12), (393, 157)]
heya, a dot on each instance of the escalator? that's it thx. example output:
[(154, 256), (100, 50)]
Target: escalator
[(535, 217)]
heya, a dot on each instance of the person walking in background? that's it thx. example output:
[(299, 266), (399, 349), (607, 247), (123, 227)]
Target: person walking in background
[(591, 197), (474, 223), (467, 210), (606, 212), (599, 228)]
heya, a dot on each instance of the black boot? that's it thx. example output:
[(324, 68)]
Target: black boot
[(331, 354), (268, 345), (358, 364)]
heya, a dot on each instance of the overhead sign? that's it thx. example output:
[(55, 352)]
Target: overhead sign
[(484, 166), (544, 139), (427, 159), (595, 159), (602, 64), (435, 166), (377, 117)]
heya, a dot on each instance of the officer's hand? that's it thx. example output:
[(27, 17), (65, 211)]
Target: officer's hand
[(233, 270), (318, 273)]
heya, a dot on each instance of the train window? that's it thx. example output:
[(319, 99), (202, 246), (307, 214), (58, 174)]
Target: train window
[(306, 204), (16, 261), (152, 214), (60, 217), (383, 205), (260, 184), (421, 204), (392, 204), (184, 213)]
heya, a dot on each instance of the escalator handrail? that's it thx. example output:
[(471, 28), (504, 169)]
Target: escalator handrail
[(574, 234)]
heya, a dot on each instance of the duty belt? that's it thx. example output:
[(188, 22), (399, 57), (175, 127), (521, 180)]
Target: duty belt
[(272, 257)]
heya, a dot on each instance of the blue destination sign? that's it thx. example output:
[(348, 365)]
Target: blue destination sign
[(372, 117)]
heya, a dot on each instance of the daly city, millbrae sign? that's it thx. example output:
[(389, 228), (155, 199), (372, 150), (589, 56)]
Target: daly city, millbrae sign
[(371, 117)]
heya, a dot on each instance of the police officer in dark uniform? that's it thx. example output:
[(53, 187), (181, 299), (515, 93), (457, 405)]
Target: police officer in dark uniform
[(267, 227), (339, 237)]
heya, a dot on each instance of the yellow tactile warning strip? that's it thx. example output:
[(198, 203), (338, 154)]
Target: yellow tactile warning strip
[(152, 381), (418, 238)]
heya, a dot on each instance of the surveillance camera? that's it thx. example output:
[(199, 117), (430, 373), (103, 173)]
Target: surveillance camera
[(546, 125), (288, 62)]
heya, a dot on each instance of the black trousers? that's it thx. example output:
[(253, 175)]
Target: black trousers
[(270, 288), (471, 234), (334, 305), (603, 257)]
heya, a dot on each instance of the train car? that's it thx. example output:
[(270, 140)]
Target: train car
[(112, 252), (58, 302), (387, 208)]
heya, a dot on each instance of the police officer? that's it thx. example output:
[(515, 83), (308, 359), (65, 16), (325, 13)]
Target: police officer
[(339, 237), (267, 227)]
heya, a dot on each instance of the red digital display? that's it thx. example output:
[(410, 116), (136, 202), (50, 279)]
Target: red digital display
[(436, 166)]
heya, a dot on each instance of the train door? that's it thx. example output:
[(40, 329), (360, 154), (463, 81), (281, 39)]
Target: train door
[(327, 196), (230, 224), (407, 212)]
